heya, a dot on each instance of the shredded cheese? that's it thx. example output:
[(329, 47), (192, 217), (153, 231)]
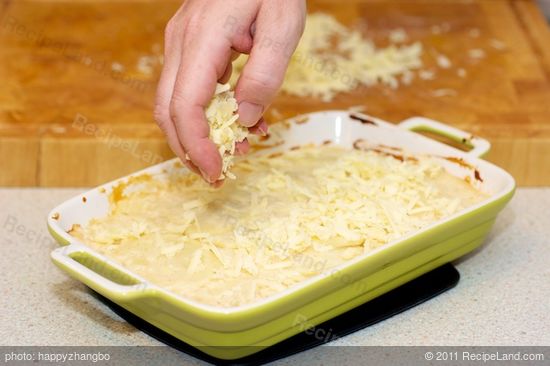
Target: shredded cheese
[(476, 53), (496, 44), (331, 59), (117, 67), (474, 33), (398, 36), (443, 61), (444, 93), (225, 131), (426, 75), (146, 64), (289, 217)]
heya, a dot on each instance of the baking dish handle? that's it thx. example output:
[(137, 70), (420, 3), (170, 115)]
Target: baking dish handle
[(125, 288), (479, 147)]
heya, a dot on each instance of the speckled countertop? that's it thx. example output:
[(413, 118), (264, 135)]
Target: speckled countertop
[(501, 299)]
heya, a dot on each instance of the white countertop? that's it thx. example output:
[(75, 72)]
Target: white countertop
[(501, 299)]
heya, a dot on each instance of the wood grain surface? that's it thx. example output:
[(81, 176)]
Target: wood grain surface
[(76, 105)]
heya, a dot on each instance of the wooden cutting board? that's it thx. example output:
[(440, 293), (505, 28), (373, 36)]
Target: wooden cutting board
[(77, 83)]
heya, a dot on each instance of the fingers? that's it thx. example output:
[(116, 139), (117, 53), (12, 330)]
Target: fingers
[(260, 128), (275, 37), (229, 69), (197, 55), (226, 74), (172, 57), (204, 62), (234, 55), (217, 184), (242, 148)]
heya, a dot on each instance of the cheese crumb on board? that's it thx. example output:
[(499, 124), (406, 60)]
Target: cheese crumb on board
[(117, 67), (407, 78), (497, 45), (398, 36), (444, 93), (436, 29), (443, 61), (146, 64), (225, 130), (476, 53), (474, 33), (332, 58), (289, 217), (426, 75)]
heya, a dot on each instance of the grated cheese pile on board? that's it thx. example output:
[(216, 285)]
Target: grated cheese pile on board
[(331, 58), (289, 217), (225, 130)]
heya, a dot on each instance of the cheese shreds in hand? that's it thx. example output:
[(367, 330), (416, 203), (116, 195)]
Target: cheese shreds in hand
[(332, 58), (288, 217), (225, 130)]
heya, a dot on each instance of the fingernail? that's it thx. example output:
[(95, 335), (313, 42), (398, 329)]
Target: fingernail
[(249, 113), (205, 176)]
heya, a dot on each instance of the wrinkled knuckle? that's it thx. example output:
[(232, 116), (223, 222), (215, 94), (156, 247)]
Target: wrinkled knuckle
[(269, 83), (170, 29), (194, 23), (176, 107), (175, 113), (159, 114), (162, 120)]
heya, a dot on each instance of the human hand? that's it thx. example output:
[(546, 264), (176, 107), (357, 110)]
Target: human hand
[(201, 40)]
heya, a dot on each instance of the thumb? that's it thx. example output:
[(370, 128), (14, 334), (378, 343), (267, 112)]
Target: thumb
[(275, 39)]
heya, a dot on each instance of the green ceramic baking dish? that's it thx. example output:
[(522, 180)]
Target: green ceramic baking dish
[(231, 333)]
